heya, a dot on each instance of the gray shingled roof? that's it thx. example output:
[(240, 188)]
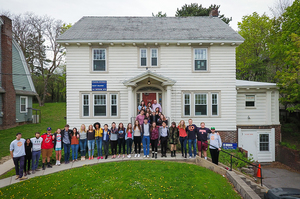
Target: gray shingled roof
[(150, 28)]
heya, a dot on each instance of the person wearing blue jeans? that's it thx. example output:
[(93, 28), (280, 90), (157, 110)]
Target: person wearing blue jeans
[(75, 148), (90, 135), (74, 144), (183, 141), (146, 137), (98, 136), (36, 151), (66, 138), (192, 130), (82, 141)]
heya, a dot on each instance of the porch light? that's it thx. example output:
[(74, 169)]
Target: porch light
[(149, 82)]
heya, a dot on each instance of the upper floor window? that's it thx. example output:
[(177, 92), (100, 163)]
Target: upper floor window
[(99, 60), (200, 59), (143, 57), (250, 101), (154, 57)]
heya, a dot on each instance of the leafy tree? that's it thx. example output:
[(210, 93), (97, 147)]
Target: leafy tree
[(159, 14), (253, 56), (289, 77), (198, 10)]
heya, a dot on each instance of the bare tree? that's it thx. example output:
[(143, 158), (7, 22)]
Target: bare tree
[(279, 7), (37, 37)]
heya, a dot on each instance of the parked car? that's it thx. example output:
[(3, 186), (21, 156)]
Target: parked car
[(280, 193)]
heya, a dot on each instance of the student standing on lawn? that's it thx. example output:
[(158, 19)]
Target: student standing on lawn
[(137, 138), (140, 117), (145, 135), (173, 138), (182, 137), (98, 137), (202, 134), (36, 151), (106, 133), (91, 141), (28, 156), (17, 152), (121, 139), (57, 146), (154, 135), (191, 130), (129, 139), (74, 144), (163, 134), (47, 147), (113, 140), (215, 145), (82, 141), (66, 139)]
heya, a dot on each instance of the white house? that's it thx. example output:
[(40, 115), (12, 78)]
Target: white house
[(187, 64)]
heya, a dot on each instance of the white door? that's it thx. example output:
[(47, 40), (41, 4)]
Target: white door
[(248, 141), (266, 145)]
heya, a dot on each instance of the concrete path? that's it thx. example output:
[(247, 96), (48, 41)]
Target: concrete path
[(6, 166), (275, 178), (54, 169)]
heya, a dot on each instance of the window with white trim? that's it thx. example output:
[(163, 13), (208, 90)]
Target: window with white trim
[(263, 142), (250, 101), (86, 105), (99, 104), (99, 59), (23, 104), (143, 57), (187, 105), (154, 57), (214, 104), (200, 104), (114, 105), (200, 59)]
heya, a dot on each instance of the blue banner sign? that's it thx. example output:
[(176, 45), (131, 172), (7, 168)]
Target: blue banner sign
[(99, 85), (229, 145)]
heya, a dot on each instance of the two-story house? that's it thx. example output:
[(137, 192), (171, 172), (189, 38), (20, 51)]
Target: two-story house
[(187, 64)]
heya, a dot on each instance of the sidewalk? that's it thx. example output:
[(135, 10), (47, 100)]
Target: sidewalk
[(54, 169), (6, 166)]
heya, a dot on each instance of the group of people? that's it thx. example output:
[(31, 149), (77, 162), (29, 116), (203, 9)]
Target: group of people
[(145, 133)]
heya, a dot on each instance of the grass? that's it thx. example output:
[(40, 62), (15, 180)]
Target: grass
[(128, 179), (52, 115)]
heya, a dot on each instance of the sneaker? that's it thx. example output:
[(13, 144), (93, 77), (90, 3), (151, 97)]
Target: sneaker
[(17, 177), (190, 157), (37, 170), (139, 155), (148, 156), (49, 166), (58, 164), (28, 173), (98, 158), (145, 156), (33, 172), (43, 167), (101, 157), (106, 156), (123, 156), (89, 158), (23, 178), (92, 157), (135, 155), (119, 156)]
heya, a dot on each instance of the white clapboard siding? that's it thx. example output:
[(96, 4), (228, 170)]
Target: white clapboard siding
[(175, 62)]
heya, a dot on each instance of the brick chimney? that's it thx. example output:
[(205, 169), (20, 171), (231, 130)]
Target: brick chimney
[(9, 97), (214, 12)]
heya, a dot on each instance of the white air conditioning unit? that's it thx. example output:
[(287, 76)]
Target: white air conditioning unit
[(35, 119)]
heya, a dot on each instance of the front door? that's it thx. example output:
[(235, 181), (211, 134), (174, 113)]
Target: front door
[(248, 141), (149, 97)]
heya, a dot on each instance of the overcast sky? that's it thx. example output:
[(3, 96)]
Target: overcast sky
[(71, 11)]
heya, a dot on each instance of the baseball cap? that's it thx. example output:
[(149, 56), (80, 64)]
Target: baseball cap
[(212, 128), (49, 129)]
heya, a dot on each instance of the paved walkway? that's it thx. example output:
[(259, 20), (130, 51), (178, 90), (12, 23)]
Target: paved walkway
[(54, 169), (275, 178)]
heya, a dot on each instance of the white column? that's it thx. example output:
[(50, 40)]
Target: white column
[(269, 108), (168, 102), (130, 103)]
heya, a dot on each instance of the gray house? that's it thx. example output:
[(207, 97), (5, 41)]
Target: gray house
[(16, 86)]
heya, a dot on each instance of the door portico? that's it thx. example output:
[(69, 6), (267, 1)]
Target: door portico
[(145, 83)]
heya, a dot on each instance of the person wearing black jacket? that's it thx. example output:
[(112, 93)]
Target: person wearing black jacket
[(66, 139), (28, 156)]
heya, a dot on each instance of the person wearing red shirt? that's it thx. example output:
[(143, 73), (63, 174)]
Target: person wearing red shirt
[(47, 147)]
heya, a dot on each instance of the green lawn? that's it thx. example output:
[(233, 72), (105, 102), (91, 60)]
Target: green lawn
[(52, 115), (128, 179)]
